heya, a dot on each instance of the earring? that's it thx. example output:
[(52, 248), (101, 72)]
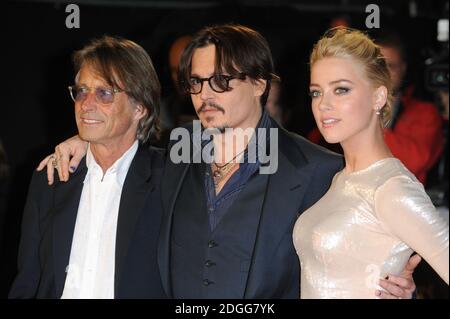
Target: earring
[(378, 112)]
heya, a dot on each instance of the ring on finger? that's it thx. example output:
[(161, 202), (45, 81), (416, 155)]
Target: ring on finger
[(54, 161)]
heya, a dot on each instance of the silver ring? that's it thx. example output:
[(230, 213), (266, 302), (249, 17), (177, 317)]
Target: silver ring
[(54, 161)]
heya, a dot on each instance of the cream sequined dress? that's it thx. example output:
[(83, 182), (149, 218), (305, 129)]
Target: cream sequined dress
[(366, 226)]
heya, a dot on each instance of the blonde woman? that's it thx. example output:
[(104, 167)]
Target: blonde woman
[(375, 213)]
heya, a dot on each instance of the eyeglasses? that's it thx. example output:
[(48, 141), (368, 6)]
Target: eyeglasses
[(218, 83), (102, 95)]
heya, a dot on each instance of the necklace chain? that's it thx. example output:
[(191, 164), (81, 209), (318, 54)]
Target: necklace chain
[(221, 172)]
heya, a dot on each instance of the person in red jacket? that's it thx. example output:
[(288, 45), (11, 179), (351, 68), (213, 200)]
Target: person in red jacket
[(415, 133)]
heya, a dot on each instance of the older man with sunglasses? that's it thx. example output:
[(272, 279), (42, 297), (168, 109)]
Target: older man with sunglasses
[(95, 236)]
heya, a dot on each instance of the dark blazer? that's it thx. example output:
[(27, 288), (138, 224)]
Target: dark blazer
[(304, 174), (49, 221)]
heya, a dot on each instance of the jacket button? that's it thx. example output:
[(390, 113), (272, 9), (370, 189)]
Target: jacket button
[(212, 244), (207, 282), (209, 263)]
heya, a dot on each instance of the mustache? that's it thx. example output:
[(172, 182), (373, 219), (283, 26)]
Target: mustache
[(211, 105)]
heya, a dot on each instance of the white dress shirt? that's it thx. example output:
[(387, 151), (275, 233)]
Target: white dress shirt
[(90, 273)]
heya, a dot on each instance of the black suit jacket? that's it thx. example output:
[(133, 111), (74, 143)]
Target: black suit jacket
[(304, 174), (49, 221)]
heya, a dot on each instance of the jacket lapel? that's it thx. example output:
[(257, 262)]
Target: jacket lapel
[(136, 189), (285, 191), (67, 199), (173, 180)]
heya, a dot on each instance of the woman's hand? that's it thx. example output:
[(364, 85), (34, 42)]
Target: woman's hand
[(401, 286), (66, 158)]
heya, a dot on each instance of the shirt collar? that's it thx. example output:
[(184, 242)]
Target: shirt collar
[(119, 168)]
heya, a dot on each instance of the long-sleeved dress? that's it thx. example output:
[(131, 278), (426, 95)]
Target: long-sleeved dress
[(365, 227)]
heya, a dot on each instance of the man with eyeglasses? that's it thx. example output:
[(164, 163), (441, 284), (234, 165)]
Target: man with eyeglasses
[(227, 228), (231, 236), (96, 235)]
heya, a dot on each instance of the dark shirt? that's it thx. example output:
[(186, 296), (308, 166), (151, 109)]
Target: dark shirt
[(219, 204)]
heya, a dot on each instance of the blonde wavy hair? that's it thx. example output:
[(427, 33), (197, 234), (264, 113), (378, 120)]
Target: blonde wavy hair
[(344, 42)]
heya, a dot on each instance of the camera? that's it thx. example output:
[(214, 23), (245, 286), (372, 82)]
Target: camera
[(436, 71)]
